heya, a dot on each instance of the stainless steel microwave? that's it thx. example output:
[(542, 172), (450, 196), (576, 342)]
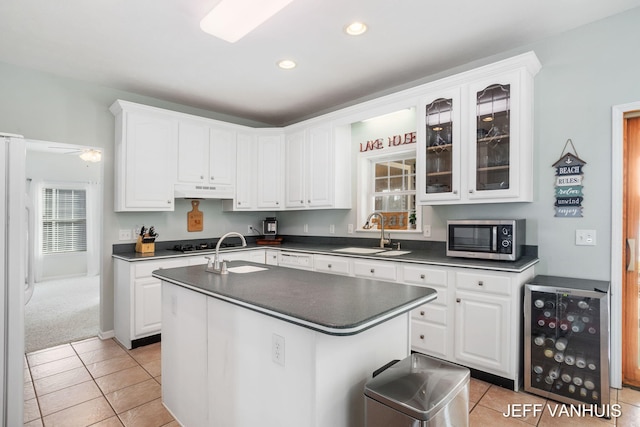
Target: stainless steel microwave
[(486, 239)]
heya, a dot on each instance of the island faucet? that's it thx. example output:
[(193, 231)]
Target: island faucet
[(216, 268), (383, 241)]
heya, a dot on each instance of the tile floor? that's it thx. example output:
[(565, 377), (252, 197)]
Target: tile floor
[(98, 383)]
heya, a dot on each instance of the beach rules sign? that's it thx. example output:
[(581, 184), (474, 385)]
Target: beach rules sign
[(568, 184)]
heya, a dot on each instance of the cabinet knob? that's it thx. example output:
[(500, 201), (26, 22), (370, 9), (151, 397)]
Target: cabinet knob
[(458, 299), (422, 313), (422, 276), (455, 191), (480, 283), (308, 201), (422, 336), (470, 191), (301, 201), (169, 202), (239, 203), (373, 270), (277, 203), (211, 178), (201, 177), (329, 266)]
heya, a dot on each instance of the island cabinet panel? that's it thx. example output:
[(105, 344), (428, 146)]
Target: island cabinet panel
[(184, 362), (318, 383)]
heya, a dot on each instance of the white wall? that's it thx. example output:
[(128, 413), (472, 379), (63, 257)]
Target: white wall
[(584, 72)]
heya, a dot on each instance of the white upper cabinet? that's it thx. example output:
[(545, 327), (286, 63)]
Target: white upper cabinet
[(207, 156), (475, 138), (145, 169), (316, 169), (259, 173)]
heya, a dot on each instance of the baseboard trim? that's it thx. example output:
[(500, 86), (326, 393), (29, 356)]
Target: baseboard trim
[(105, 335)]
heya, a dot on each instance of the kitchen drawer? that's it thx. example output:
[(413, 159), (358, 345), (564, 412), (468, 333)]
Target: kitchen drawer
[(491, 283), (425, 276), (330, 264), (144, 269), (375, 270), (430, 313), (430, 339)]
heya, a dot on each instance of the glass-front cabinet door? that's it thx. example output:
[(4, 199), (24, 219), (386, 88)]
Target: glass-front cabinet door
[(440, 146), (494, 125)]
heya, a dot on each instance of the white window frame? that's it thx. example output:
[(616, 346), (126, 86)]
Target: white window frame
[(41, 219), (366, 199)]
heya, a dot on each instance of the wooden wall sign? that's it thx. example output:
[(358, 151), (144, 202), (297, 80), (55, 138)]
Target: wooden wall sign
[(569, 176), (195, 218)]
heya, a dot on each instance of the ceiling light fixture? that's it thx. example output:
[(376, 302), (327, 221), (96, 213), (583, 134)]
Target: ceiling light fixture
[(231, 20), (355, 28), (92, 156), (287, 64)]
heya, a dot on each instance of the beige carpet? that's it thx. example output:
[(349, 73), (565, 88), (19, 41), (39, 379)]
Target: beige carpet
[(62, 311)]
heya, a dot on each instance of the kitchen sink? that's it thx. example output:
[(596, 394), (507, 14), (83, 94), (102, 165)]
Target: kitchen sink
[(362, 251), (245, 269), (393, 253)]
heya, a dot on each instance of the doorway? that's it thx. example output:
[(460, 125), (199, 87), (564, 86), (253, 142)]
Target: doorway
[(65, 192), (631, 233)]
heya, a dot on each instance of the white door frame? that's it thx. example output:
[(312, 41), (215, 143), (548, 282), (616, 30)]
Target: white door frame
[(617, 239)]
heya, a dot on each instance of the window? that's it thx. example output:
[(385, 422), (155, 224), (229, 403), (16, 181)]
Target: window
[(64, 220), (392, 190)]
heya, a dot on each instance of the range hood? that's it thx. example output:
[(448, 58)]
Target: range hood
[(204, 191)]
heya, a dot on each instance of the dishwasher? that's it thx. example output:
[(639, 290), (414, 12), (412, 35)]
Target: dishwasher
[(301, 261)]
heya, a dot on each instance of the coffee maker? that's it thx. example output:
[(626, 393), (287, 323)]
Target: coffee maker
[(270, 228)]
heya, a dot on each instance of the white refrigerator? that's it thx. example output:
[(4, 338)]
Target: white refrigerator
[(13, 269)]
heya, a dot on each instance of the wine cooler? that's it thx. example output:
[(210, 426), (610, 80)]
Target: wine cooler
[(566, 340)]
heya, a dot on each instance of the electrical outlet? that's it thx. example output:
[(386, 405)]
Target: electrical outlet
[(426, 230), (350, 228), (586, 237), (136, 230), (277, 349), (332, 229), (249, 229), (124, 234), (306, 228)]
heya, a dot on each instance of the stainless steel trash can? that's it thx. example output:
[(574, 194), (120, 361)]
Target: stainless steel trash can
[(418, 391)]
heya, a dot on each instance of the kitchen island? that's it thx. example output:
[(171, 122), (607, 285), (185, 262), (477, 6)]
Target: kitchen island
[(277, 347)]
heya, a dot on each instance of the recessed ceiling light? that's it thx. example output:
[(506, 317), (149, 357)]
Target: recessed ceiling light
[(355, 28), (287, 64)]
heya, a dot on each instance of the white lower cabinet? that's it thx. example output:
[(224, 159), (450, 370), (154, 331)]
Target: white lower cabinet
[(380, 270), (137, 294), (137, 297), (332, 264)]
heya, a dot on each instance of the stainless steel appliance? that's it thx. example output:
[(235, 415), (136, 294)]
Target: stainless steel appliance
[(502, 240), (270, 228), (418, 391), (567, 339)]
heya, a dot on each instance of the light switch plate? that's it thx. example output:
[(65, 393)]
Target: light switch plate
[(585, 237)]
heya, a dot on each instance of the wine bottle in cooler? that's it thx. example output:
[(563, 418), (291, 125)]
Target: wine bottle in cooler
[(567, 377), (569, 358), (583, 304), (564, 325), (577, 326), (577, 379), (581, 362), (539, 340), (558, 356), (538, 303), (592, 365), (561, 343)]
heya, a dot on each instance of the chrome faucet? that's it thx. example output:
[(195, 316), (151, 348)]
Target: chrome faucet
[(215, 267), (383, 241)]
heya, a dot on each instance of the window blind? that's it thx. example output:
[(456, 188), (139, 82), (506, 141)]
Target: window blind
[(64, 220)]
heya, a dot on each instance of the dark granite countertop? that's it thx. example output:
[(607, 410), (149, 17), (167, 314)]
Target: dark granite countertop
[(429, 253), (332, 304)]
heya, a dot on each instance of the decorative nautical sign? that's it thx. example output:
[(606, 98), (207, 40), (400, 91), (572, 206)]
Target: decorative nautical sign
[(392, 141), (568, 185)]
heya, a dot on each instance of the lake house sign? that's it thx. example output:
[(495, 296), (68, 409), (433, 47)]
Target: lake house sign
[(568, 184)]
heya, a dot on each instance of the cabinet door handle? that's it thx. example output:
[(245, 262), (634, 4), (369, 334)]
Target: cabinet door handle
[(470, 191), (329, 266), (458, 299), (373, 270), (211, 178), (301, 201), (201, 177), (455, 191), (169, 201), (422, 276), (422, 336), (422, 313), (631, 262), (308, 201), (480, 283)]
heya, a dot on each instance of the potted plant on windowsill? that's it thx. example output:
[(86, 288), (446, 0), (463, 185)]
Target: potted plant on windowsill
[(412, 220)]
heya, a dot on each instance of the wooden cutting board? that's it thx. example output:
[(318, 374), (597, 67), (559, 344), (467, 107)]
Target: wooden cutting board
[(195, 217)]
